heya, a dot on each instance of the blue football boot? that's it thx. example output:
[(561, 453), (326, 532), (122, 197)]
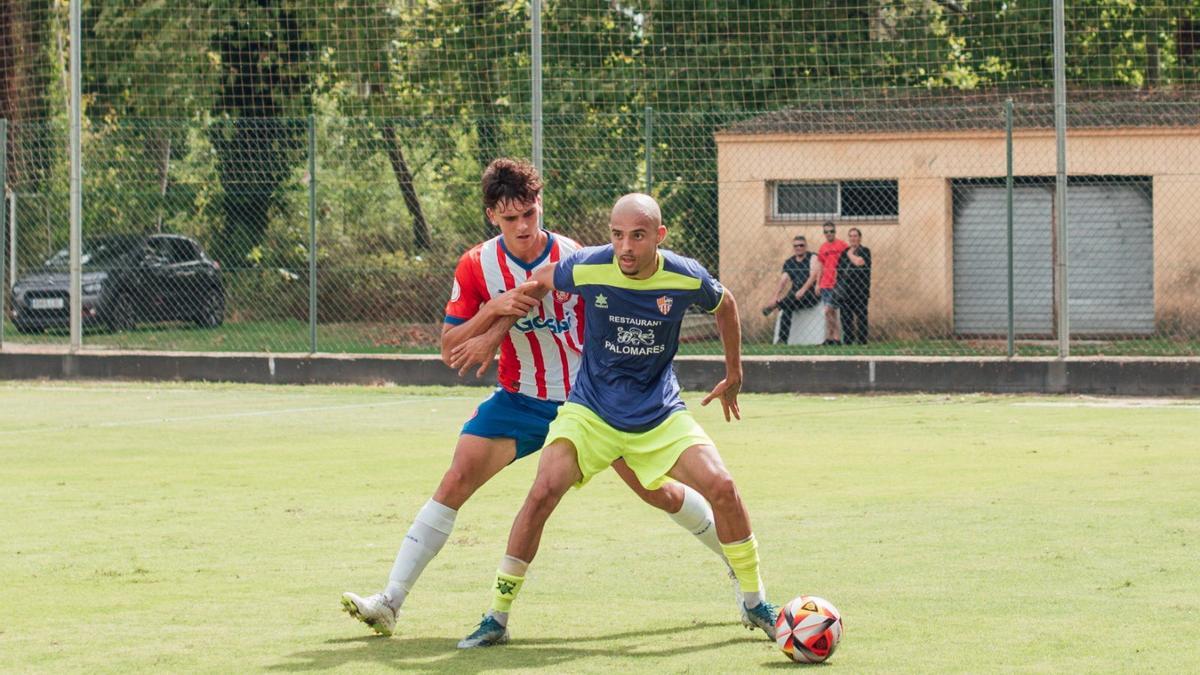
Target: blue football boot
[(489, 633)]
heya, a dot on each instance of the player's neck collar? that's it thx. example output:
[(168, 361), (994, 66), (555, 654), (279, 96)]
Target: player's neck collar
[(527, 266)]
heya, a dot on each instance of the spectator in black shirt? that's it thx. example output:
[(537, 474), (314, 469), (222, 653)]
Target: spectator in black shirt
[(854, 289), (797, 286)]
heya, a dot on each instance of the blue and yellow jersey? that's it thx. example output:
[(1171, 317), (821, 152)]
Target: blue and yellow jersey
[(631, 332)]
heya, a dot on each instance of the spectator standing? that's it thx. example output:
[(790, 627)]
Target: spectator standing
[(797, 287), (854, 289), (829, 254)]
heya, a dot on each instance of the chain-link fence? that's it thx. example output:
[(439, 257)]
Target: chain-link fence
[(304, 176)]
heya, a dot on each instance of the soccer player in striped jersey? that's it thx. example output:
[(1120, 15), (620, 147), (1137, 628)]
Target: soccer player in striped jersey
[(625, 403), (539, 358)]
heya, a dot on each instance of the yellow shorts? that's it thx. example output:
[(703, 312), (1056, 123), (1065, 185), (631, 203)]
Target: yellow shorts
[(650, 454)]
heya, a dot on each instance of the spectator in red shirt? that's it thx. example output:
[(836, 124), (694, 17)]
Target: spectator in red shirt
[(830, 251)]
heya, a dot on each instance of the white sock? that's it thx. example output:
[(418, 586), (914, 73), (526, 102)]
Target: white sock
[(752, 600), (500, 617), (696, 517), (425, 538)]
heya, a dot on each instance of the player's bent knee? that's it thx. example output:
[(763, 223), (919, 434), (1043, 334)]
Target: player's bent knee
[(722, 492), (545, 495)]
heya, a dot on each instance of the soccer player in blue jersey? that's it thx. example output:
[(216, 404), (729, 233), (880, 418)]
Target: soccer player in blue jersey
[(538, 364), (626, 400)]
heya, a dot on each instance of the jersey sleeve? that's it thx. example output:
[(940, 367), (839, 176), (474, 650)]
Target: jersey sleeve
[(564, 273), (465, 295), (710, 293)]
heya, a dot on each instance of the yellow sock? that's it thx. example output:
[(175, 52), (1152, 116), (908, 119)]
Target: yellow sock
[(506, 589), (743, 558)]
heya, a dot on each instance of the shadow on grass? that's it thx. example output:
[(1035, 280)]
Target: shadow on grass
[(441, 654), (787, 664)]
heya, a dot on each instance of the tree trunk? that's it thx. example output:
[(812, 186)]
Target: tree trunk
[(26, 71), (256, 143), (420, 229), (487, 123), (164, 173)]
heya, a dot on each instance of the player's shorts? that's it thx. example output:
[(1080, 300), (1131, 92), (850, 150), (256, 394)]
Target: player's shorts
[(517, 416), (828, 298), (650, 454)]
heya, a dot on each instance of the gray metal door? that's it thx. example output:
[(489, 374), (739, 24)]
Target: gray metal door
[(981, 260), (1110, 258)]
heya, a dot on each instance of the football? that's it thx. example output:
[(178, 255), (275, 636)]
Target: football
[(808, 629)]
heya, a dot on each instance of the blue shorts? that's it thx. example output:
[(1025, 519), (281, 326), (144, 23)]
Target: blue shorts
[(827, 298), (507, 415)]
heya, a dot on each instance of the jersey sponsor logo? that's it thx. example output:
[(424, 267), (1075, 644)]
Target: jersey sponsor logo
[(601, 301), (634, 321), (664, 304), (528, 324), (634, 335), (634, 341)]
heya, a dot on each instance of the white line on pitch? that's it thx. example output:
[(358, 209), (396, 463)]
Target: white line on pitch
[(1114, 403), (217, 416)]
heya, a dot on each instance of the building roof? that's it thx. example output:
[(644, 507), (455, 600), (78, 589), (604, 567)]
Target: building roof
[(965, 111)]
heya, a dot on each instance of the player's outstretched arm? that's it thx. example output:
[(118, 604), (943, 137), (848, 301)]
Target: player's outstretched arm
[(730, 326), (478, 351), (515, 303)]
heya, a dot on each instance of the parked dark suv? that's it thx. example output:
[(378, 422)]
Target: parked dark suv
[(127, 279)]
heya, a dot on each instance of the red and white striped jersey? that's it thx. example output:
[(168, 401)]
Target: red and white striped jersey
[(540, 355)]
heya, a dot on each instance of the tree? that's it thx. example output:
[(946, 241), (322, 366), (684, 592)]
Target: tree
[(258, 133), (27, 76)]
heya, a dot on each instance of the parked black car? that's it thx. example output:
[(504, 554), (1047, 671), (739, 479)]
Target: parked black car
[(127, 279)]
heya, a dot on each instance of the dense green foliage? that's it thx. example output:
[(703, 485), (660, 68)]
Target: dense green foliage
[(197, 117)]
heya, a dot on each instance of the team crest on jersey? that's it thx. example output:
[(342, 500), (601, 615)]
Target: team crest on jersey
[(601, 301), (562, 297), (664, 304)]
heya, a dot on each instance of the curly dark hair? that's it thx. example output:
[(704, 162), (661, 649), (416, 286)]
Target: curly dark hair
[(510, 180)]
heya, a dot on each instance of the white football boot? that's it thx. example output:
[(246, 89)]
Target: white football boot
[(372, 610)]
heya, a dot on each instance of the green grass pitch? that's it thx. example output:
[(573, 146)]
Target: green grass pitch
[(212, 528)]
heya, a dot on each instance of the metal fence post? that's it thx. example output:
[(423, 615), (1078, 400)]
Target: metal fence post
[(1008, 189), (1060, 182), (535, 77), (312, 233), (16, 237), (649, 126), (4, 289), (12, 228), (76, 237)]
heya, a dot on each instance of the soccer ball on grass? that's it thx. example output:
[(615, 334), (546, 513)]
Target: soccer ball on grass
[(808, 629)]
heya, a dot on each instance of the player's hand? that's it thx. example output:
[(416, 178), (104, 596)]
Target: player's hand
[(726, 390), (515, 302), (478, 351)]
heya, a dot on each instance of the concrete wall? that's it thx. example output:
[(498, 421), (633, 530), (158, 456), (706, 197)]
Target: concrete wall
[(1120, 376), (913, 256)]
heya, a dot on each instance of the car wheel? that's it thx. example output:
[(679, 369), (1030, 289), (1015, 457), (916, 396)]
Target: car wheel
[(122, 316), (25, 329), (212, 312)]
